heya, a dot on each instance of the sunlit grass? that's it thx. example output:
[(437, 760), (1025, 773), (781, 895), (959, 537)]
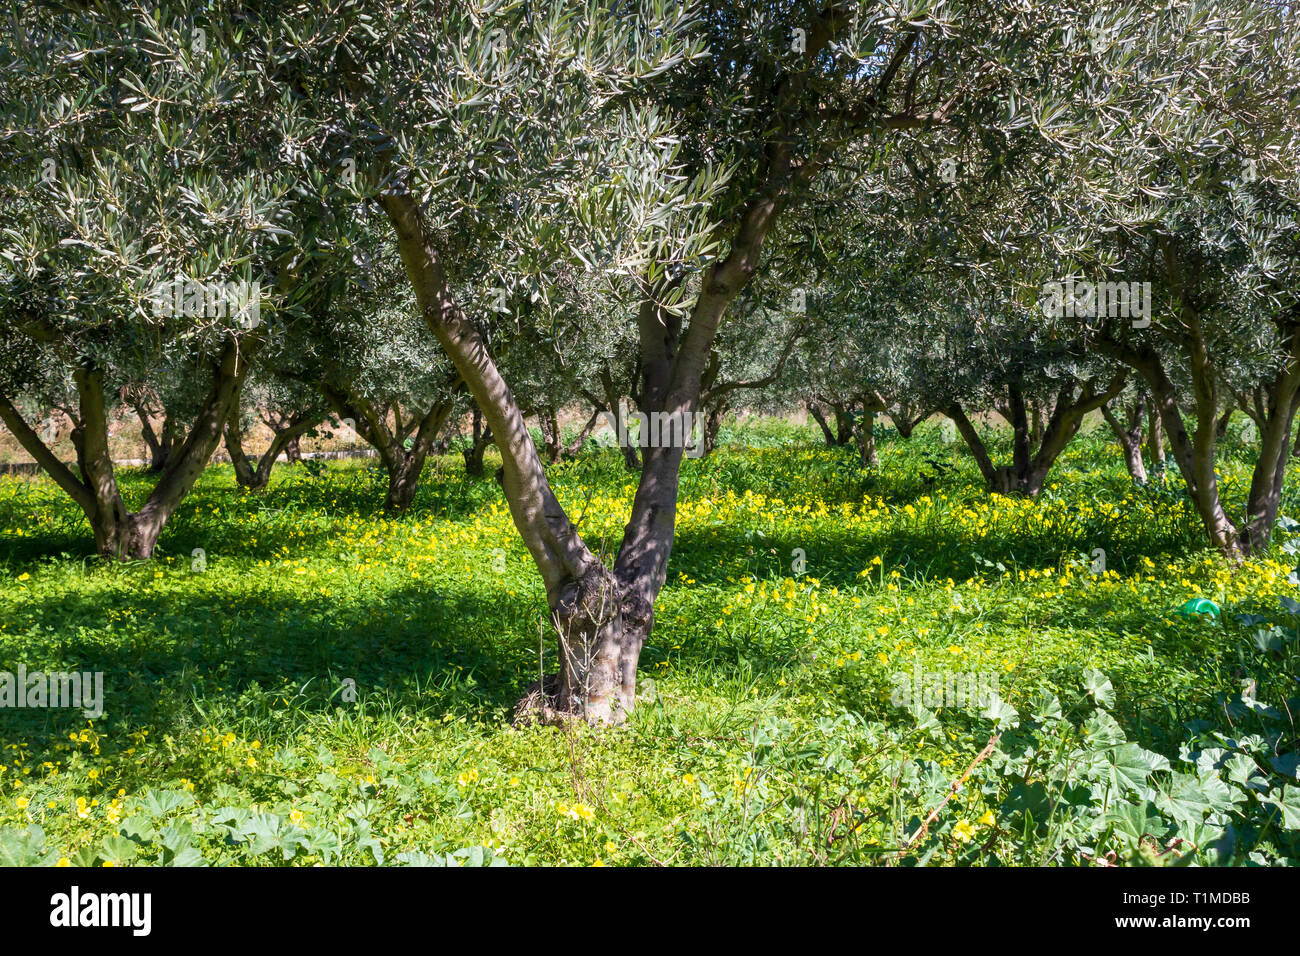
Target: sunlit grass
[(232, 661)]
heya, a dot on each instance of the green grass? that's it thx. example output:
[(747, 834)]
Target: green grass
[(766, 733)]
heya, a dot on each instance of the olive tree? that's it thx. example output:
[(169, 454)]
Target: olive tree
[(1192, 185), (137, 239)]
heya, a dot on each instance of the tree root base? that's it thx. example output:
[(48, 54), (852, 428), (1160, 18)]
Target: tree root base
[(544, 704), (541, 705)]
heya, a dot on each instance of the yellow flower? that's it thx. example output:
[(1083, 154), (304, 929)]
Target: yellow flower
[(963, 831), (579, 811), (986, 820), (689, 779), (21, 803)]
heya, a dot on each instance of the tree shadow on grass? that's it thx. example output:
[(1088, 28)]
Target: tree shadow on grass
[(253, 526), (437, 652), (1157, 695), (169, 661), (837, 558), (175, 662)]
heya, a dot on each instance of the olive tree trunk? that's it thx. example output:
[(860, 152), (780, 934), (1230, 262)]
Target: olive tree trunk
[(1129, 434), (120, 533), (403, 464), (601, 616), (1195, 452), (480, 439), (285, 434), (1029, 468)]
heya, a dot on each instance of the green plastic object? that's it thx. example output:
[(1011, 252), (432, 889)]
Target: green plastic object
[(1200, 606)]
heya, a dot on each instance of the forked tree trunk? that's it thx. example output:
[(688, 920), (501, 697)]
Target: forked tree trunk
[(159, 446), (548, 423), (403, 464), (1265, 496), (603, 617), (1028, 470), (1195, 454), (843, 432), (480, 439), (1129, 434), (120, 533), (285, 432), (905, 421)]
